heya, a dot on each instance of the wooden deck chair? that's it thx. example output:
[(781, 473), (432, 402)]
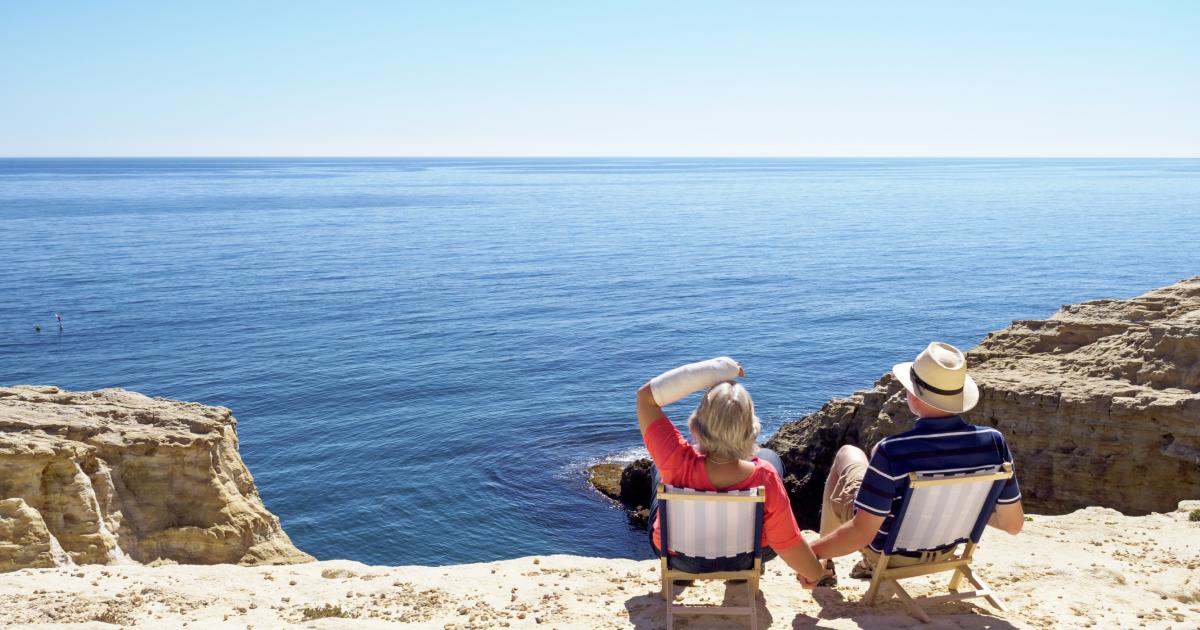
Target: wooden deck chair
[(711, 525), (936, 511)]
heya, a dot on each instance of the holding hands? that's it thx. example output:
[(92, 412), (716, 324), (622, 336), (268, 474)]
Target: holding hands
[(827, 565)]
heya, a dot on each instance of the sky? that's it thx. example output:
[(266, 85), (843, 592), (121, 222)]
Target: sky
[(561, 78)]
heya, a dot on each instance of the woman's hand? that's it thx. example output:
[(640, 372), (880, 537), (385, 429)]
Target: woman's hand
[(811, 584)]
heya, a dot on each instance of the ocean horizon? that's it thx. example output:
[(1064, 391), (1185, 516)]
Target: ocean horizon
[(425, 354)]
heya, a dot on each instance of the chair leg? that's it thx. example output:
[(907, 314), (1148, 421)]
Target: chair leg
[(752, 592), (956, 579), (980, 585), (913, 608), (967, 553), (758, 571), (876, 578), (666, 582)]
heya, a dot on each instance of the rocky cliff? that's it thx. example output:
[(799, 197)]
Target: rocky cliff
[(108, 476), (1100, 404)]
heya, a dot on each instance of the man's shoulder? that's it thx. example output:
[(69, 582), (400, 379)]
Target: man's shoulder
[(958, 432), (960, 445)]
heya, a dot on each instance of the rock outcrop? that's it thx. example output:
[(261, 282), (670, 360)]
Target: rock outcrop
[(108, 476), (1100, 404), (628, 483)]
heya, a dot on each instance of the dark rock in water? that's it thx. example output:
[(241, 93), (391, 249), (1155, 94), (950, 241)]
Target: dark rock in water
[(627, 483), (636, 480)]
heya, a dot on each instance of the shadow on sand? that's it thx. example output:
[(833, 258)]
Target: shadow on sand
[(648, 612)]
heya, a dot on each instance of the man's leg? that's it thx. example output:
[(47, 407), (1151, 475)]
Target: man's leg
[(841, 487), (837, 499), (772, 458)]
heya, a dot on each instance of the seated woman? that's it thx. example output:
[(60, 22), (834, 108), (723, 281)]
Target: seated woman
[(726, 429)]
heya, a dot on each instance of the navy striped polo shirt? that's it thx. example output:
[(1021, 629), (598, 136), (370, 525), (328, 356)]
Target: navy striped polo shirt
[(942, 445)]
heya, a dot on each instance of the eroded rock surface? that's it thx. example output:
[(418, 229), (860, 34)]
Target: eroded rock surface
[(1100, 404), (110, 475)]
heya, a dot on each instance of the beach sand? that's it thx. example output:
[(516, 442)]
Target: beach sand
[(1092, 568)]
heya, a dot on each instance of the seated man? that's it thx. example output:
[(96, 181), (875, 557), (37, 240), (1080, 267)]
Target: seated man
[(857, 504)]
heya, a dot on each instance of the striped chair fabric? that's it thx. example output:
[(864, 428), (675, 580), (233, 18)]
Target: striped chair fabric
[(936, 516), (711, 529)]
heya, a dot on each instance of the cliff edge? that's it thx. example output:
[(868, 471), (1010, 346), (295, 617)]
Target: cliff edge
[(108, 476), (1093, 568)]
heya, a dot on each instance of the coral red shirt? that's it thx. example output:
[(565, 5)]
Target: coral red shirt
[(680, 464)]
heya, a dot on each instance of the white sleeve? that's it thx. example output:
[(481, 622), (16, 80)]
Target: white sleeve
[(676, 384)]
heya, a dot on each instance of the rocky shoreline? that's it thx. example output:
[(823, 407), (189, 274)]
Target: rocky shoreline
[(1100, 404)]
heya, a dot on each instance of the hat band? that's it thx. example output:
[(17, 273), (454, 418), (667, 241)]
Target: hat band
[(923, 385)]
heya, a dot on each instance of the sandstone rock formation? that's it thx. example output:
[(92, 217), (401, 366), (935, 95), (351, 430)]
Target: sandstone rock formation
[(110, 475), (1100, 404)]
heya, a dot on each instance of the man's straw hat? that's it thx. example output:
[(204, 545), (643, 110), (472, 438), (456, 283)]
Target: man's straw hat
[(939, 378)]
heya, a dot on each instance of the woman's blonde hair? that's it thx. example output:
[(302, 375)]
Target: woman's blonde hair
[(724, 423)]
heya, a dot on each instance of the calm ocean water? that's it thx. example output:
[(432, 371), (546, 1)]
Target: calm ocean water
[(424, 354)]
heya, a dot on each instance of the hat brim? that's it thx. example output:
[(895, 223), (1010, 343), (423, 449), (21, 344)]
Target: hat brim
[(958, 403)]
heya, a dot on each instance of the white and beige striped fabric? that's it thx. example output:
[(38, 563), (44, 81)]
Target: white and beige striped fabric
[(710, 529), (938, 515)]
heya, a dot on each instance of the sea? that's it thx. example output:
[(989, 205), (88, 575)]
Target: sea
[(424, 355)]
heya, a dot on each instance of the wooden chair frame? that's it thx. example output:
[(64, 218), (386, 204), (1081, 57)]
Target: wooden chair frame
[(751, 575), (958, 562)]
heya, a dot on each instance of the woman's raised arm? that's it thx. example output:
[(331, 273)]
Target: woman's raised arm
[(647, 409), (675, 384)]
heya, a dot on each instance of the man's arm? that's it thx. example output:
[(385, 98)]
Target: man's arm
[(1009, 517), (802, 560), (850, 537)]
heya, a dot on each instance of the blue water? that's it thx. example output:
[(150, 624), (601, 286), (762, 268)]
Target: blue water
[(423, 354)]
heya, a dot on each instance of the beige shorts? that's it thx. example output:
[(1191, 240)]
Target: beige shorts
[(841, 488)]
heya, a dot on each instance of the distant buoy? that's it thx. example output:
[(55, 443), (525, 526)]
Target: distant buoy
[(37, 328)]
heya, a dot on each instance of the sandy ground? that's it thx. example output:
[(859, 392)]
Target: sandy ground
[(1092, 568)]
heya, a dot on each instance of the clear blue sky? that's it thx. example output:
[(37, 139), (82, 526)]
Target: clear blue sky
[(600, 78)]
